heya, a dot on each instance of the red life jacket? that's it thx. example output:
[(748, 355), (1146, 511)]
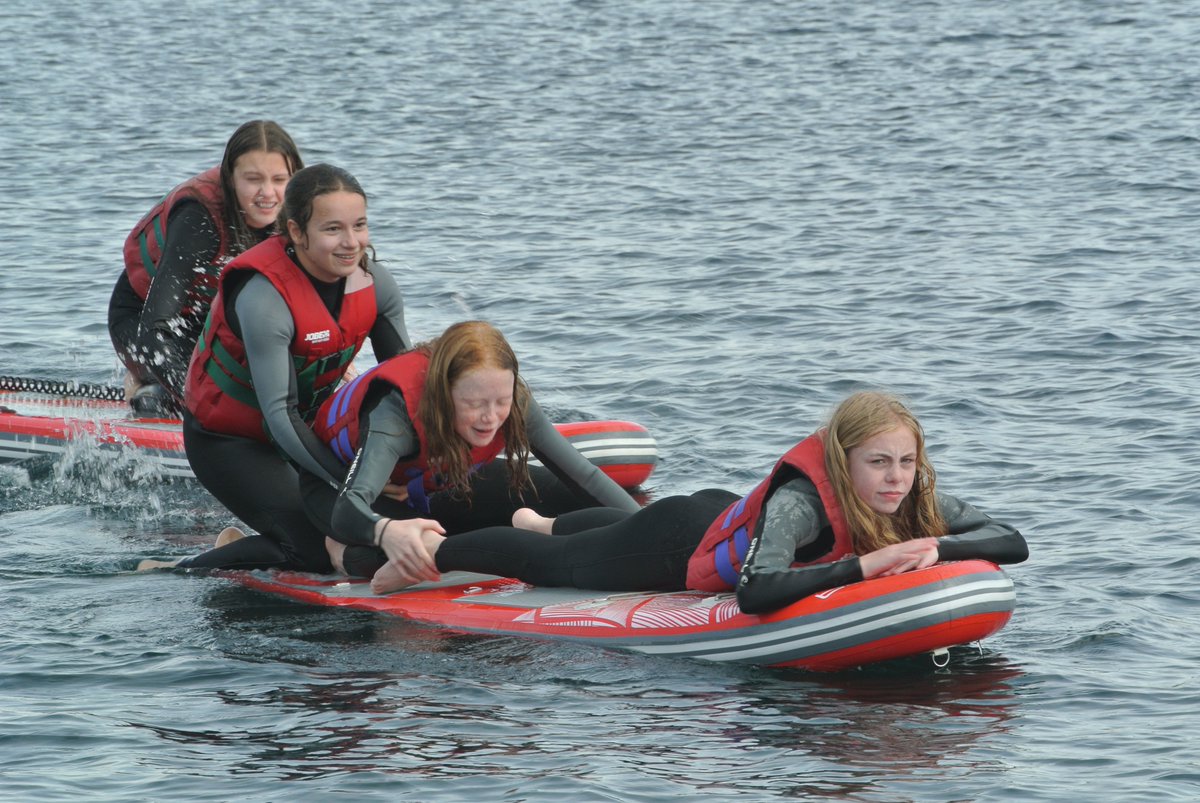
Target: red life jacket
[(337, 423), (143, 246), (716, 563), (219, 391)]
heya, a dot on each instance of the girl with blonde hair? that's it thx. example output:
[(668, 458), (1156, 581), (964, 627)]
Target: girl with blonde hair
[(855, 500)]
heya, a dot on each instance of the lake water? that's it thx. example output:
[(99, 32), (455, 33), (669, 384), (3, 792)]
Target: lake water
[(714, 219)]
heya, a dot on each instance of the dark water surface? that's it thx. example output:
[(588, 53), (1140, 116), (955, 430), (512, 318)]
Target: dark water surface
[(714, 219)]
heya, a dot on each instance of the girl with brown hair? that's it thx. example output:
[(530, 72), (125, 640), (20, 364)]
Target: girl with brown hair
[(422, 434), (175, 252), (289, 316)]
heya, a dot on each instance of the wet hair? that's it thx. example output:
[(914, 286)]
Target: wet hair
[(857, 419), (462, 348), (309, 184), (256, 135)]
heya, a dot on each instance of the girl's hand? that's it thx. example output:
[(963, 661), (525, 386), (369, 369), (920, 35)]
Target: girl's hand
[(905, 556), (407, 544)]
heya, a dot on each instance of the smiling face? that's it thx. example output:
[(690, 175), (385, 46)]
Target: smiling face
[(482, 398), (882, 468), (332, 245), (259, 179)]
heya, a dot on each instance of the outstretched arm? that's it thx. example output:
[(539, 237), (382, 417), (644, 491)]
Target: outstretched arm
[(389, 437), (583, 477), (267, 330), (975, 535)]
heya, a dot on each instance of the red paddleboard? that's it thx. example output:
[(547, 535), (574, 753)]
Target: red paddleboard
[(33, 424), (876, 620)]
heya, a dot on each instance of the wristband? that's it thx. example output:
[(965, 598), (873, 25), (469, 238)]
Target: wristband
[(379, 535)]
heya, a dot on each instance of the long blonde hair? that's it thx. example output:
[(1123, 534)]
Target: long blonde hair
[(859, 418), (462, 348)]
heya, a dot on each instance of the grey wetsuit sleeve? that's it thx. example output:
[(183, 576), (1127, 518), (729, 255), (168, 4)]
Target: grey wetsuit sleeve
[(975, 535), (571, 468), (793, 520), (388, 438), (267, 332), (389, 335)]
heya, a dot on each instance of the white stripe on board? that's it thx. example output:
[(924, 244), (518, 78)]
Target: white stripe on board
[(850, 623)]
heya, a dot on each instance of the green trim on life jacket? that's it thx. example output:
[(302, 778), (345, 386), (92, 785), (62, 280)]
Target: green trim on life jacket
[(234, 390), (147, 262), (230, 365), (306, 379)]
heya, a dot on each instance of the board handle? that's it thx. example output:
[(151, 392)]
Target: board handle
[(58, 387)]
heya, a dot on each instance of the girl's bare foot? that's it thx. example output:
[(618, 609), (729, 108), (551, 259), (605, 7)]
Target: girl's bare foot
[(528, 519), (148, 564), (228, 536), (337, 552), (389, 577)]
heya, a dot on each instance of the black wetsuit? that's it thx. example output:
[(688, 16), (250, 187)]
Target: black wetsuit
[(252, 479), (649, 550), (154, 338), (600, 548)]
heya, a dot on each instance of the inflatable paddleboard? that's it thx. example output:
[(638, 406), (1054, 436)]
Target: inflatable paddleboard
[(876, 620), (36, 424)]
